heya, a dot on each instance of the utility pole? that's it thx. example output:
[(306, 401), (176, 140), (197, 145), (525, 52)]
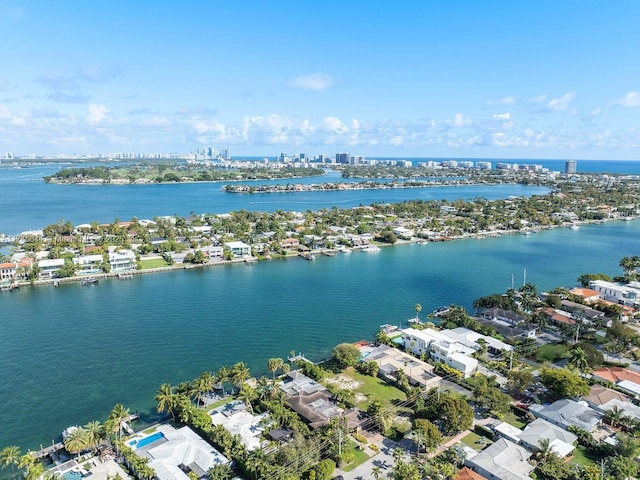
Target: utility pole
[(340, 441)]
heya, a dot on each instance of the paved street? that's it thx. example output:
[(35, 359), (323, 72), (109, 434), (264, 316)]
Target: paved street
[(384, 460)]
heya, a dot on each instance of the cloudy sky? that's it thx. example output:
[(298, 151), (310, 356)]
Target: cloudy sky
[(498, 79)]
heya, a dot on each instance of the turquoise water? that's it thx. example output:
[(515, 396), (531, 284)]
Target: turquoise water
[(68, 354), (72, 475), (147, 440)]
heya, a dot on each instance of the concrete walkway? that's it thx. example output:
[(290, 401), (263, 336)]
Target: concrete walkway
[(453, 441)]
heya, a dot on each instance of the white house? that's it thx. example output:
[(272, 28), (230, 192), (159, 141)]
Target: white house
[(441, 349), (49, 267), (122, 259), (615, 292), (469, 338), (177, 451), (88, 264), (238, 249)]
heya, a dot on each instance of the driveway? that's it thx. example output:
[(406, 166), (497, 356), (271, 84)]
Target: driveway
[(383, 459)]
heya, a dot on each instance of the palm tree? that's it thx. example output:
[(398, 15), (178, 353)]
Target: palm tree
[(274, 364), (418, 308), (248, 394), (222, 376), (239, 373), (114, 422), (76, 441), (94, 434), (544, 449), (166, 398), (578, 359), (10, 456), (615, 416), (258, 463)]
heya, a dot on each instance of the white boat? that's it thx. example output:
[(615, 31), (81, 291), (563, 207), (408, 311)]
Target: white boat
[(574, 227), (371, 249), (346, 250)]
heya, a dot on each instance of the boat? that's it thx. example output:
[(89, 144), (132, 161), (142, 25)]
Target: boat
[(422, 241), (527, 232), (89, 281), (329, 253), (371, 249), (574, 227), (308, 256), (346, 250), (387, 328)]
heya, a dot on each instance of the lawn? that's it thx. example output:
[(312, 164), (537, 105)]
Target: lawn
[(374, 389), (552, 352), (513, 419), (582, 456), (475, 441), (153, 263), (361, 457)]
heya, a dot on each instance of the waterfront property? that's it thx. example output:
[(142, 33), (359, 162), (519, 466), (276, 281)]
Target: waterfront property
[(88, 264), (441, 348), (181, 451), (122, 259), (238, 249), (391, 361), (49, 267), (235, 417)]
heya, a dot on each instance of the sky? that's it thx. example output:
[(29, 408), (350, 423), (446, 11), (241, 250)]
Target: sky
[(464, 79)]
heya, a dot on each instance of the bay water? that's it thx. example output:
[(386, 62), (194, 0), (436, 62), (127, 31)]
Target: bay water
[(68, 354)]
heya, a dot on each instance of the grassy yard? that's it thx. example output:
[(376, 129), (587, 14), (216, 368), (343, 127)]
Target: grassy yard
[(374, 389), (475, 441), (361, 457), (582, 456), (153, 263), (513, 419), (552, 352)]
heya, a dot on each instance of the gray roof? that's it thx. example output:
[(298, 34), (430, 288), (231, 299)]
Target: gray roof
[(567, 412), (504, 460), (540, 428)]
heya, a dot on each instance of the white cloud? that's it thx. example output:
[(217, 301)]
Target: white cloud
[(502, 116), (460, 120), (333, 124), (561, 104), (96, 113), (314, 82), (631, 99)]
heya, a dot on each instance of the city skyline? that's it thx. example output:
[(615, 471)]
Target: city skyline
[(413, 79)]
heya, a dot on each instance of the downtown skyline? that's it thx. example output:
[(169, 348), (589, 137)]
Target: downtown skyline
[(411, 79)]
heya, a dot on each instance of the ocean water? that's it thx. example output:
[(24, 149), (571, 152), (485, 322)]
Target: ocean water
[(68, 354)]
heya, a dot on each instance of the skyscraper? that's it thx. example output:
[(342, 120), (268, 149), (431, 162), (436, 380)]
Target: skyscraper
[(570, 166)]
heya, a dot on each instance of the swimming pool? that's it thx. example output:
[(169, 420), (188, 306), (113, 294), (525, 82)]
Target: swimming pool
[(72, 475), (145, 441)]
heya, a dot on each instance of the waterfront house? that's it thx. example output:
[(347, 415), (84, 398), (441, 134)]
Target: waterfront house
[(178, 452), (503, 460), (49, 267), (566, 412), (290, 244), (391, 361), (16, 270), (589, 296), (212, 251), (122, 259), (441, 349), (402, 232), (469, 338), (616, 292), (507, 316), (237, 420), (88, 264), (238, 249)]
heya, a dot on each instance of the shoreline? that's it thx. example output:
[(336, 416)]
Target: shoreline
[(249, 261)]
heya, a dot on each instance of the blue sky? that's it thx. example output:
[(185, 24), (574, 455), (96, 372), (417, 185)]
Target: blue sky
[(499, 79)]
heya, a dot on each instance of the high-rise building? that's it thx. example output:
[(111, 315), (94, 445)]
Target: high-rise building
[(343, 158), (570, 167)]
